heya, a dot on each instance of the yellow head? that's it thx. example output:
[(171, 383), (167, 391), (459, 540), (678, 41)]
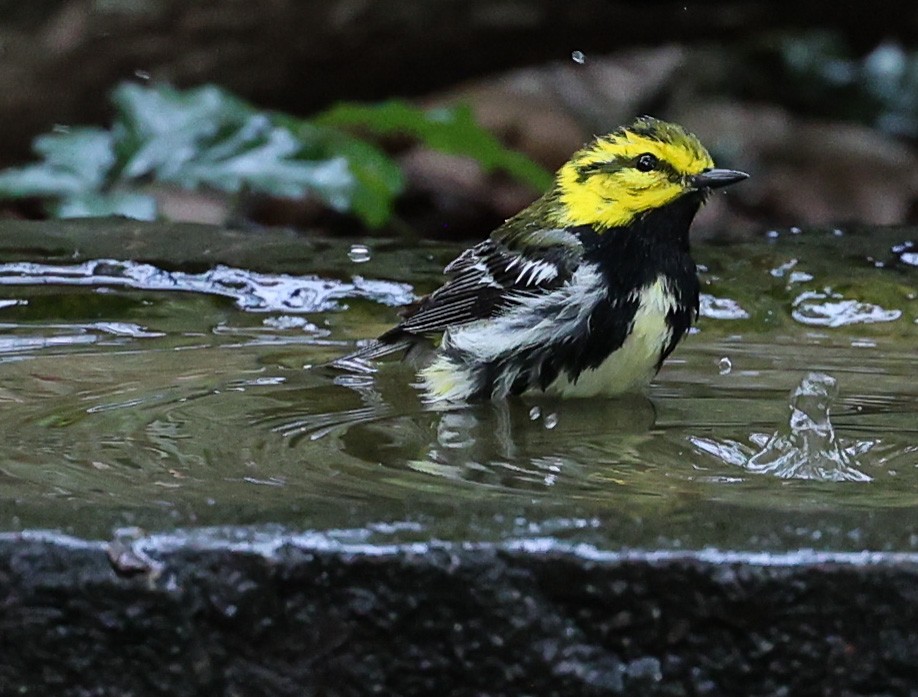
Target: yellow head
[(635, 169)]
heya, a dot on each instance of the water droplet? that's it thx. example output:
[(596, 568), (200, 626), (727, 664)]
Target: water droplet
[(359, 253), (838, 232), (772, 234), (578, 57), (795, 230), (724, 366), (534, 413), (60, 128), (551, 420), (142, 74)]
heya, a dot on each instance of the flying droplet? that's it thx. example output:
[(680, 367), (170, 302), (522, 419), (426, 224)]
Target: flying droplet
[(551, 420), (578, 57), (142, 74), (359, 253), (534, 413), (724, 366)]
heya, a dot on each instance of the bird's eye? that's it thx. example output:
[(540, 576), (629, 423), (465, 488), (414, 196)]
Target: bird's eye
[(645, 162)]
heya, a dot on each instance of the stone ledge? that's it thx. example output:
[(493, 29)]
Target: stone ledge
[(236, 612)]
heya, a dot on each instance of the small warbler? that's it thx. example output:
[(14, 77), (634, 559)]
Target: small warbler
[(583, 293)]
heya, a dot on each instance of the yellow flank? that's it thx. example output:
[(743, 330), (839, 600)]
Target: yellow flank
[(443, 380), (632, 366), (614, 198)]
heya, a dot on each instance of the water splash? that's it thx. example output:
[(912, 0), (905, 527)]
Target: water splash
[(830, 309), (251, 291), (807, 448)]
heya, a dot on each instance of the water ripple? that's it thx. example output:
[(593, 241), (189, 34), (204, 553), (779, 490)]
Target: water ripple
[(251, 291)]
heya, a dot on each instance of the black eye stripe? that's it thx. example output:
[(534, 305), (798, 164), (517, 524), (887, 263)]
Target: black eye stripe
[(609, 167), (644, 162)]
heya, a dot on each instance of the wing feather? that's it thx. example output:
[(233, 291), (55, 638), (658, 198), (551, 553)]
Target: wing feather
[(487, 277)]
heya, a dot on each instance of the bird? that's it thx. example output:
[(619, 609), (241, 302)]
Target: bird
[(584, 293)]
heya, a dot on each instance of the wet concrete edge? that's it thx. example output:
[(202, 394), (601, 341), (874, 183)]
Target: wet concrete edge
[(243, 613)]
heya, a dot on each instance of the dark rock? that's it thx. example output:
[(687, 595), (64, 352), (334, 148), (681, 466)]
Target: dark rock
[(312, 616)]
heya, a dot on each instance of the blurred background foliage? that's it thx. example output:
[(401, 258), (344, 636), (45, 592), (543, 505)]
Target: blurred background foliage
[(206, 138), (441, 118)]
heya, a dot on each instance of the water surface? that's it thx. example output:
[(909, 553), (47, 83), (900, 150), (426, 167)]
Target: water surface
[(169, 376)]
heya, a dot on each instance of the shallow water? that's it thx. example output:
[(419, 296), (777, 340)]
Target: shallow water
[(178, 390)]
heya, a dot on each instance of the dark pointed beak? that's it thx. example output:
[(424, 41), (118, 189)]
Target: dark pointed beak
[(713, 178)]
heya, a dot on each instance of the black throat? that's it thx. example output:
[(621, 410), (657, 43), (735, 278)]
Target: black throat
[(655, 244), (630, 258)]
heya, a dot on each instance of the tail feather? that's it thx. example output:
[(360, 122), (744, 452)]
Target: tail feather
[(359, 360)]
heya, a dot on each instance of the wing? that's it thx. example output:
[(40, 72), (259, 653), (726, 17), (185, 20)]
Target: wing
[(485, 278)]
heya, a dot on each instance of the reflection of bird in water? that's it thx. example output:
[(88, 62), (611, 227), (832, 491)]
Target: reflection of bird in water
[(807, 448), (526, 444), (523, 445)]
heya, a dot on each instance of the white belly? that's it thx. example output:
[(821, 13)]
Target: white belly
[(634, 364)]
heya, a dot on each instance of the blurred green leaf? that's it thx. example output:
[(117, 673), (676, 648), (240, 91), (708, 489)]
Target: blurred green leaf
[(378, 179), (39, 181), (86, 152), (451, 130), (75, 161), (206, 137)]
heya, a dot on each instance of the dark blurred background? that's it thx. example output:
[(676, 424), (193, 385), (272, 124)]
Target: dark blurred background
[(817, 100)]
